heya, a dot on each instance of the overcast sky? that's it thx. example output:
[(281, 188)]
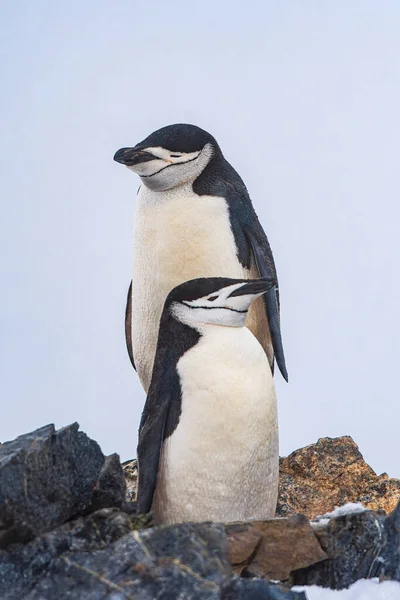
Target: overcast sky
[(304, 99)]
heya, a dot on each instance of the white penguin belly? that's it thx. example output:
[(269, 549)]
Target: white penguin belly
[(221, 463), (178, 236)]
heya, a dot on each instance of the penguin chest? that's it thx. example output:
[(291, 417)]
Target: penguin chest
[(221, 462), (177, 236)]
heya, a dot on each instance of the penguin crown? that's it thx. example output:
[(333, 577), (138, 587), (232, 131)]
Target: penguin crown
[(215, 301), (170, 157)]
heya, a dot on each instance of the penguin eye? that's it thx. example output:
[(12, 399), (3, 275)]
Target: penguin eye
[(212, 298)]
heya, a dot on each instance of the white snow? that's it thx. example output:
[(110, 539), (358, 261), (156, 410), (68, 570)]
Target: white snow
[(350, 507), (364, 589)]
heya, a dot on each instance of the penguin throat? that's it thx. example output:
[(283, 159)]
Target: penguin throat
[(179, 174)]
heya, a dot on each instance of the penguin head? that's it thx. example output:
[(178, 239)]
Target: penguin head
[(215, 301), (170, 157)]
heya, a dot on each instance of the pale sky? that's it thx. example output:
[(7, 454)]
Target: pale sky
[(304, 99)]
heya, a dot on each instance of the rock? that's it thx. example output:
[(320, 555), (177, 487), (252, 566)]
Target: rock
[(131, 475), (111, 485), (273, 548), (258, 589), (23, 566), (109, 555), (359, 545), (332, 472), (46, 477), (99, 556)]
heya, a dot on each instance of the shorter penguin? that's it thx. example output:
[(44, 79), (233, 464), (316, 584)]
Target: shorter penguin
[(208, 437)]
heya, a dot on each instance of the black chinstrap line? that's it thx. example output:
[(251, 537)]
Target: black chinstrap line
[(216, 308), (167, 167)]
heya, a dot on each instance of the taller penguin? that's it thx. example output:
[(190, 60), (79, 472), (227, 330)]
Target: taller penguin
[(193, 218)]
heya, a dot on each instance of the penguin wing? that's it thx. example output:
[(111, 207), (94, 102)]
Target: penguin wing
[(128, 325), (262, 253), (221, 179), (151, 435)]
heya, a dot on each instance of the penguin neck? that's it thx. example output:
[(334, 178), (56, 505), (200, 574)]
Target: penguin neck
[(212, 330), (175, 338), (217, 170), (156, 196)]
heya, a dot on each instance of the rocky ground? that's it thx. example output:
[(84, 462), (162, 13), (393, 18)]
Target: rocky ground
[(68, 529)]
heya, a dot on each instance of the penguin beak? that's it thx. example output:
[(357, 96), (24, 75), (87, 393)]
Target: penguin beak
[(254, 288), (133, 156)]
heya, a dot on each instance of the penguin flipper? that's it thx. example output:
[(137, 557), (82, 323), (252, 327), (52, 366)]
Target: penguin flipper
[(128, 325), (266, 268), (151, 437)]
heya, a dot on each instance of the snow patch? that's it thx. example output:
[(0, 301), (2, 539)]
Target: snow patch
[(364, 589), (346, 509)]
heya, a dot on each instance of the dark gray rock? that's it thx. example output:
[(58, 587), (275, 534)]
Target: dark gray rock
[(111, 486), (386, 563), (46, 477), (258, 589), (360, 545), (100, 557), (23, 565)]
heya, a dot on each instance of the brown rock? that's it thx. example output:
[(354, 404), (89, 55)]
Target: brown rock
[(273, 548), (315, 479)]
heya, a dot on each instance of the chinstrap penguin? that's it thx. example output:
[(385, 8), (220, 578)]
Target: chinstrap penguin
[(208, 436), (193, 218)]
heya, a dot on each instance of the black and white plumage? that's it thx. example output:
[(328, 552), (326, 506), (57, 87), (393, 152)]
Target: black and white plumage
[(193, 218), (208, 437)]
